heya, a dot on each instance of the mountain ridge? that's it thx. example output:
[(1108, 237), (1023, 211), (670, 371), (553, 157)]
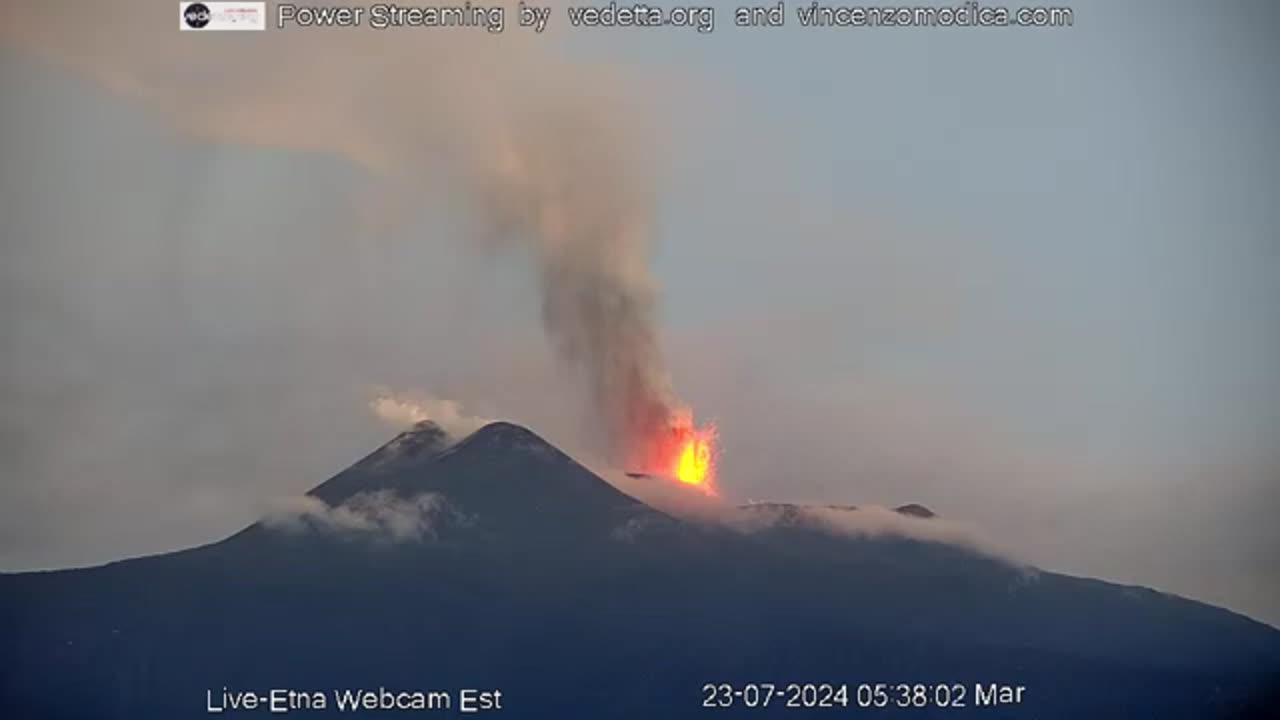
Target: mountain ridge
[(558, 580)]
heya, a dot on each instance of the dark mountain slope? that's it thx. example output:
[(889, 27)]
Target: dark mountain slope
[(577, 601), (386, 465)]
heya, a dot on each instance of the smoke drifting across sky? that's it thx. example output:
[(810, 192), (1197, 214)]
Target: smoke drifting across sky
[(548, 159)]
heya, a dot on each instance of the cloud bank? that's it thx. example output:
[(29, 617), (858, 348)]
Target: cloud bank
[(380, 514)]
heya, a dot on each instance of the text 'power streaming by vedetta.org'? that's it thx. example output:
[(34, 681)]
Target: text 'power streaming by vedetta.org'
[(496, 18)]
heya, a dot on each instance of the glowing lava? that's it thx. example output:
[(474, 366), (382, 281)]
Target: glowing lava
[(683, 452), (695, 457), (694, 465)]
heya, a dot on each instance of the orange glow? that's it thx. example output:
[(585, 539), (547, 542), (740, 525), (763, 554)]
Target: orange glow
[(695, 463), (689, 455), (684, 453)]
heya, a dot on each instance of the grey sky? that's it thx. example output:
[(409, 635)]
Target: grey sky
[(1028, 278)]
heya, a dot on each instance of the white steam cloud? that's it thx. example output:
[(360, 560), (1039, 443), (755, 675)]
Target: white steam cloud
[(403, 410), (546, 158)]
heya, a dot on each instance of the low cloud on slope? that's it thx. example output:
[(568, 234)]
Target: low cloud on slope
[(381, 514)]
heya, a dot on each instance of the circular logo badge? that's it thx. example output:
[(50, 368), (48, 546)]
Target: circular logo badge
[(196, 15)]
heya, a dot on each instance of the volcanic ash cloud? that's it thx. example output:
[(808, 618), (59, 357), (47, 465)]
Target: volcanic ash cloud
[(544, 158)]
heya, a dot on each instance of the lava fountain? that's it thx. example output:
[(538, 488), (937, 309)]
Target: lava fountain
[(685, 453)]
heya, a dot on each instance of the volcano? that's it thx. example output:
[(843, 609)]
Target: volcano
[(535, 578)]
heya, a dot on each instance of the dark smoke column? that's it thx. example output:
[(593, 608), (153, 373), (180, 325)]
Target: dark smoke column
[(570, 184), (604, 331)]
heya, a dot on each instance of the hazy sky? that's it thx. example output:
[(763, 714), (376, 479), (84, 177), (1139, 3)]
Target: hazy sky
[(1029, 278)]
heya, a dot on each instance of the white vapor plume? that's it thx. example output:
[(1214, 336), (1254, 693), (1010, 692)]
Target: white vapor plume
[(546, 158), (403, 410), (381, 514)]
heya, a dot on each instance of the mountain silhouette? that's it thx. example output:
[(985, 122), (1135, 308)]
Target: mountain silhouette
[(526, 573)]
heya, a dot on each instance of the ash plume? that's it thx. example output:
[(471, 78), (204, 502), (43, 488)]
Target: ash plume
[(570, 190), (545, 158)]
